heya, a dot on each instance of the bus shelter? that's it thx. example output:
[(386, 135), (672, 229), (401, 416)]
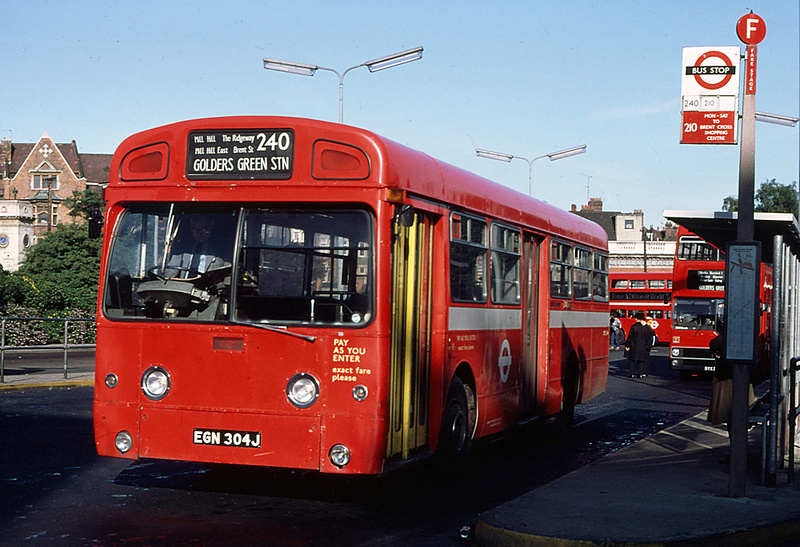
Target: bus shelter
[(779, 235)]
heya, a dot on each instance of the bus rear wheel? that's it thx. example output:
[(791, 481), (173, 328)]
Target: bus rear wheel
[(455, 437)]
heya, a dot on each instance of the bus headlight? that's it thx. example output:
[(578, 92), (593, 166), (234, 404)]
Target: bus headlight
[(123, 441), (302, 390), (155, 383), (675, 352), (339, 455)]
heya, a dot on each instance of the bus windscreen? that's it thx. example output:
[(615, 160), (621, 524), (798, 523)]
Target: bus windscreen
[(176, 261)]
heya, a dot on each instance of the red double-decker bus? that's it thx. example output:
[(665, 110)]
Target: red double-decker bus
[(649, 293), (698, 296), (294, 293)]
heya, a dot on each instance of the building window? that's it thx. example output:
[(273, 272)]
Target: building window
[(40, 182), (41, 214), (628, 224)]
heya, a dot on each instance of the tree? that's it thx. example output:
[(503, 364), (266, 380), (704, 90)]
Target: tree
[(63, 268), (730, 203), (771, 197), (84, 204)]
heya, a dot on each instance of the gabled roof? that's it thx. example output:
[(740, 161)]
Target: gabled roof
[(94, 167)]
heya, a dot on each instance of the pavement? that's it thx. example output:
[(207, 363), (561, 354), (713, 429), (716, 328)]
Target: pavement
[(670, 489), (45, 379)]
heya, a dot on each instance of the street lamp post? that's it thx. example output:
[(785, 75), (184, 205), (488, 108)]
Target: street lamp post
[(382, 63), (780, 119), (500, 156)]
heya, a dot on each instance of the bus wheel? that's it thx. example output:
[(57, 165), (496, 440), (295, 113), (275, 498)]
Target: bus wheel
[(571, 386), (455, 437)]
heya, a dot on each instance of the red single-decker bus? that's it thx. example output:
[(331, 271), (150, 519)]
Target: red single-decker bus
[(294, 293)]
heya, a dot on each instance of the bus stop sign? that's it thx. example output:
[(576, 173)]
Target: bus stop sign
[(709, 93)]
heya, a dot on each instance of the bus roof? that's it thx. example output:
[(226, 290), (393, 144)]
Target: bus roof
[(372, 161)]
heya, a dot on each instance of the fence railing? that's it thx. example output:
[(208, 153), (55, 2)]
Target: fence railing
[(65, 343)]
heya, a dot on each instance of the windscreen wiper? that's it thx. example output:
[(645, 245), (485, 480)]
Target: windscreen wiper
[(280, 330)]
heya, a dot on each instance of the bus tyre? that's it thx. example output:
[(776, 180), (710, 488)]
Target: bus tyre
[(455, 436)]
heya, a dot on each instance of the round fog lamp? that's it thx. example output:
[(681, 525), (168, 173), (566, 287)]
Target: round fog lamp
[(123, 441), (111, 380), (302, 390), (155, 383), (339, 455), (360, 393)]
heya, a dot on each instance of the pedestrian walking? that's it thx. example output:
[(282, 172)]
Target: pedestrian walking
[(637, 348)]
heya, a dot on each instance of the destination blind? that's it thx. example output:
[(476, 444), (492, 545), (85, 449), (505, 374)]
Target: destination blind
[(240, 154), (706, 280)]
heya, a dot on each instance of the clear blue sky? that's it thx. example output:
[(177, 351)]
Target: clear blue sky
[(521, 77)]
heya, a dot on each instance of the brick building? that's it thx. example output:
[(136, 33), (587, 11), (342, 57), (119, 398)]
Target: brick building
[(36, 179)]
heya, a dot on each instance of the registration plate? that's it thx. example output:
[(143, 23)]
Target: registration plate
[(226, 437)]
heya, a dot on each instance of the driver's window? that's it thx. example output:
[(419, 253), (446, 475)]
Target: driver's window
[(171, 261)]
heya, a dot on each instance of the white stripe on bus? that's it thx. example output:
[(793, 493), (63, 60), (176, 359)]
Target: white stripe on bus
[(485, 319), (510, 319), (577, 319)]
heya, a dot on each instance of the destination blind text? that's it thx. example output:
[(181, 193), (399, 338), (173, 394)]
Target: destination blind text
[(257, 154)]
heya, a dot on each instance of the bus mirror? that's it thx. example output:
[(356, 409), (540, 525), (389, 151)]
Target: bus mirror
[(406, 215), (95, 224)]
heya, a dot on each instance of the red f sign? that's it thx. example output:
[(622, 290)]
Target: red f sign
[(751, 29)]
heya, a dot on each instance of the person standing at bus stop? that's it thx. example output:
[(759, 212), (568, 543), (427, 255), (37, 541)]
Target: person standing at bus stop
[(616, 333), (637, 347)]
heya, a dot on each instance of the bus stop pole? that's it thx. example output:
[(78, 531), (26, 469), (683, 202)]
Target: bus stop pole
[(745, 231)]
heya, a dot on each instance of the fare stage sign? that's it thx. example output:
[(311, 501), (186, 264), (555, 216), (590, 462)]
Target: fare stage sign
[(710, 93)]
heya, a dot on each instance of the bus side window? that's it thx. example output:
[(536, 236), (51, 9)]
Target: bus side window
[(560, 270), (505, 265), (468, 256)]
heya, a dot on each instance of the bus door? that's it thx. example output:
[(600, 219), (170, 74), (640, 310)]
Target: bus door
[(530, 324), (410, 332)]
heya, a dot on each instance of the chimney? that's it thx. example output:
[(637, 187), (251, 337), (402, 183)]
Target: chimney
[(595, 204)]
